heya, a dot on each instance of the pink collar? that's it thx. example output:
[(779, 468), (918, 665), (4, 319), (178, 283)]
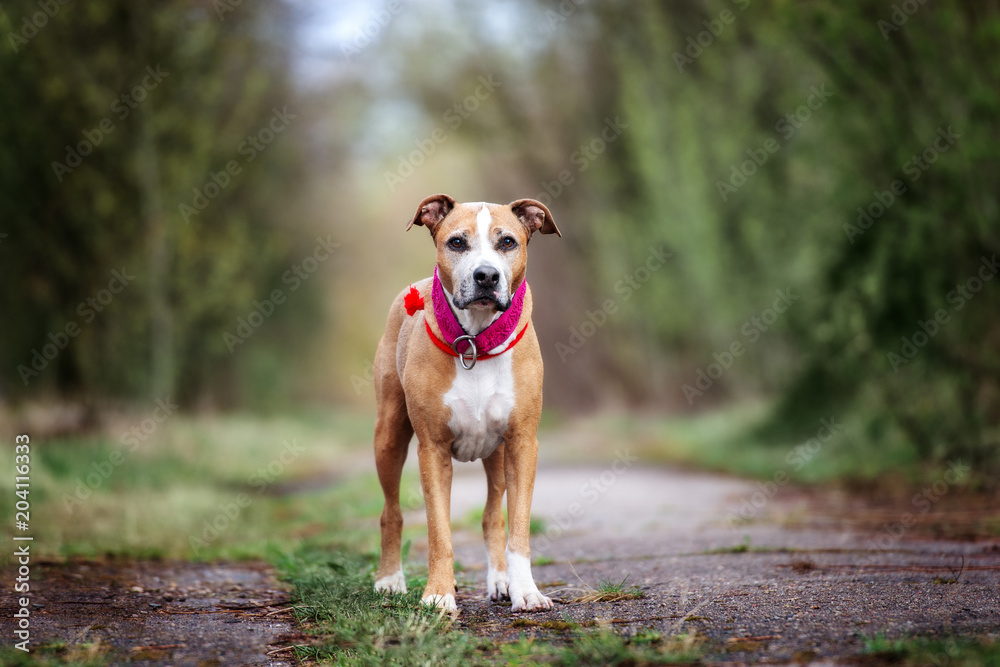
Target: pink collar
[(491, 337)]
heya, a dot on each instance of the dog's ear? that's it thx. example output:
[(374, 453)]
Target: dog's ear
[(535, 216), (432, 211)]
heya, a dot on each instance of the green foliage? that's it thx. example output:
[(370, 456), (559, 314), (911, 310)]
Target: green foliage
[(349, 623), (964, 652), (875, 345), (57, 653), (894, 328), (94, 496), (793, 222), (354, 625), (119, 113), (845, 154), (611, 590)]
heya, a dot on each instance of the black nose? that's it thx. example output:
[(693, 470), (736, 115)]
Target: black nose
[(486, 277)]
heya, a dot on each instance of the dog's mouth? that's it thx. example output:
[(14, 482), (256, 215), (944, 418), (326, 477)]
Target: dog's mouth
[(483, 301)]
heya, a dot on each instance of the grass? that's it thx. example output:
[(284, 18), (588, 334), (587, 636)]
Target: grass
[(89, 654), (732, 441), (244, 487), (745, 547), (609, 590), (349, 623), (317, 522), (473, 520), (198, 488), (914, 651), (605, 647)]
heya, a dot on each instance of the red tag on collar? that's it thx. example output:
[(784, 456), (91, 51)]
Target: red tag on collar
[(413, 301)]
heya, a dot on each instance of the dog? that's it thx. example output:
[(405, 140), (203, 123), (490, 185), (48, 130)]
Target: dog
[(459, 366)]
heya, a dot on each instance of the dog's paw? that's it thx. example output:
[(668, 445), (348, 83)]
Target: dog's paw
[(496, 584), (524, 595), (394, 583), (530, 601), (443, 602)]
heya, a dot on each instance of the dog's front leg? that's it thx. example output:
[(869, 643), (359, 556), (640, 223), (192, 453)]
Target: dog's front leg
[(435, 477), (520, 459), (493, 526)]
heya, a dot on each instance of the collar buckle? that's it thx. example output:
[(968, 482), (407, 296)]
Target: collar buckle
[(470, 354)]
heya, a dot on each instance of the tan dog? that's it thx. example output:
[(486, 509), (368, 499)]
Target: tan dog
[(481, 404)]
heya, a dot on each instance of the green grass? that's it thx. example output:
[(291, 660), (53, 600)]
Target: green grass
[(57, 653), (604, 647), (316, 524), (319, 526), (198, 488), (473, 520), (918, 651), (609, 590), (734, 441), (349, 623)]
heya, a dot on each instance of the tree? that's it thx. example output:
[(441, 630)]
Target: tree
[(145, 144)]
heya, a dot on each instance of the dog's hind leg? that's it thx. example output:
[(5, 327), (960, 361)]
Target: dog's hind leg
[(393, 432)]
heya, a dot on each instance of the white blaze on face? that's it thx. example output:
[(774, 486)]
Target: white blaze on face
[(480, 253)]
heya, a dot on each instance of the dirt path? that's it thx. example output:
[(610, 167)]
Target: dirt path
[(807, 580), (156, 613)]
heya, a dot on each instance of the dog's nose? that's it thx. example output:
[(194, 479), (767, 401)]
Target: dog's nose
[(486, 277)]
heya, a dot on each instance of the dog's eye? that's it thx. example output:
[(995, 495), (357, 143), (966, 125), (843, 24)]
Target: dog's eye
[(507, 243), (456, 243)]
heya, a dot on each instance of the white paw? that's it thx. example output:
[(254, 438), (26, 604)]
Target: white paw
[(394, 583), (496, 584), (524, 595), (444, 602), (531, 601)]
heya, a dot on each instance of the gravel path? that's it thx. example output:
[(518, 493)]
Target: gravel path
[(159, 613), (806, 580)]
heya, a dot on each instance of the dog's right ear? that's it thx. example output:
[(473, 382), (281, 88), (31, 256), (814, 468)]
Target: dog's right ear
[(432, 211)]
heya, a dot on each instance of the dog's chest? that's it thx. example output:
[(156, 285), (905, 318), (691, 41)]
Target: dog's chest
[(481, 401)]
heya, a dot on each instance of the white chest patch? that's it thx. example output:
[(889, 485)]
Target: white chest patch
[(481, 401)]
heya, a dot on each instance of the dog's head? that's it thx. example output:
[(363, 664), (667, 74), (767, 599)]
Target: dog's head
[(482, 249)]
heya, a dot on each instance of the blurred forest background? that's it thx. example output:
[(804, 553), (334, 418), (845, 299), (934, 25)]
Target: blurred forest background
[(777, 203)]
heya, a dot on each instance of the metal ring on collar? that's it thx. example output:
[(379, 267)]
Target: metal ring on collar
[(472, 353)]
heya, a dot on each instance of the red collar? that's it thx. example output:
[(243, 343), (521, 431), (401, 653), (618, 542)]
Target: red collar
[(472, 353)]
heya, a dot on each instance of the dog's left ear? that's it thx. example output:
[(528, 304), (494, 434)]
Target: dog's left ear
[(535, 216), (432, 211)]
